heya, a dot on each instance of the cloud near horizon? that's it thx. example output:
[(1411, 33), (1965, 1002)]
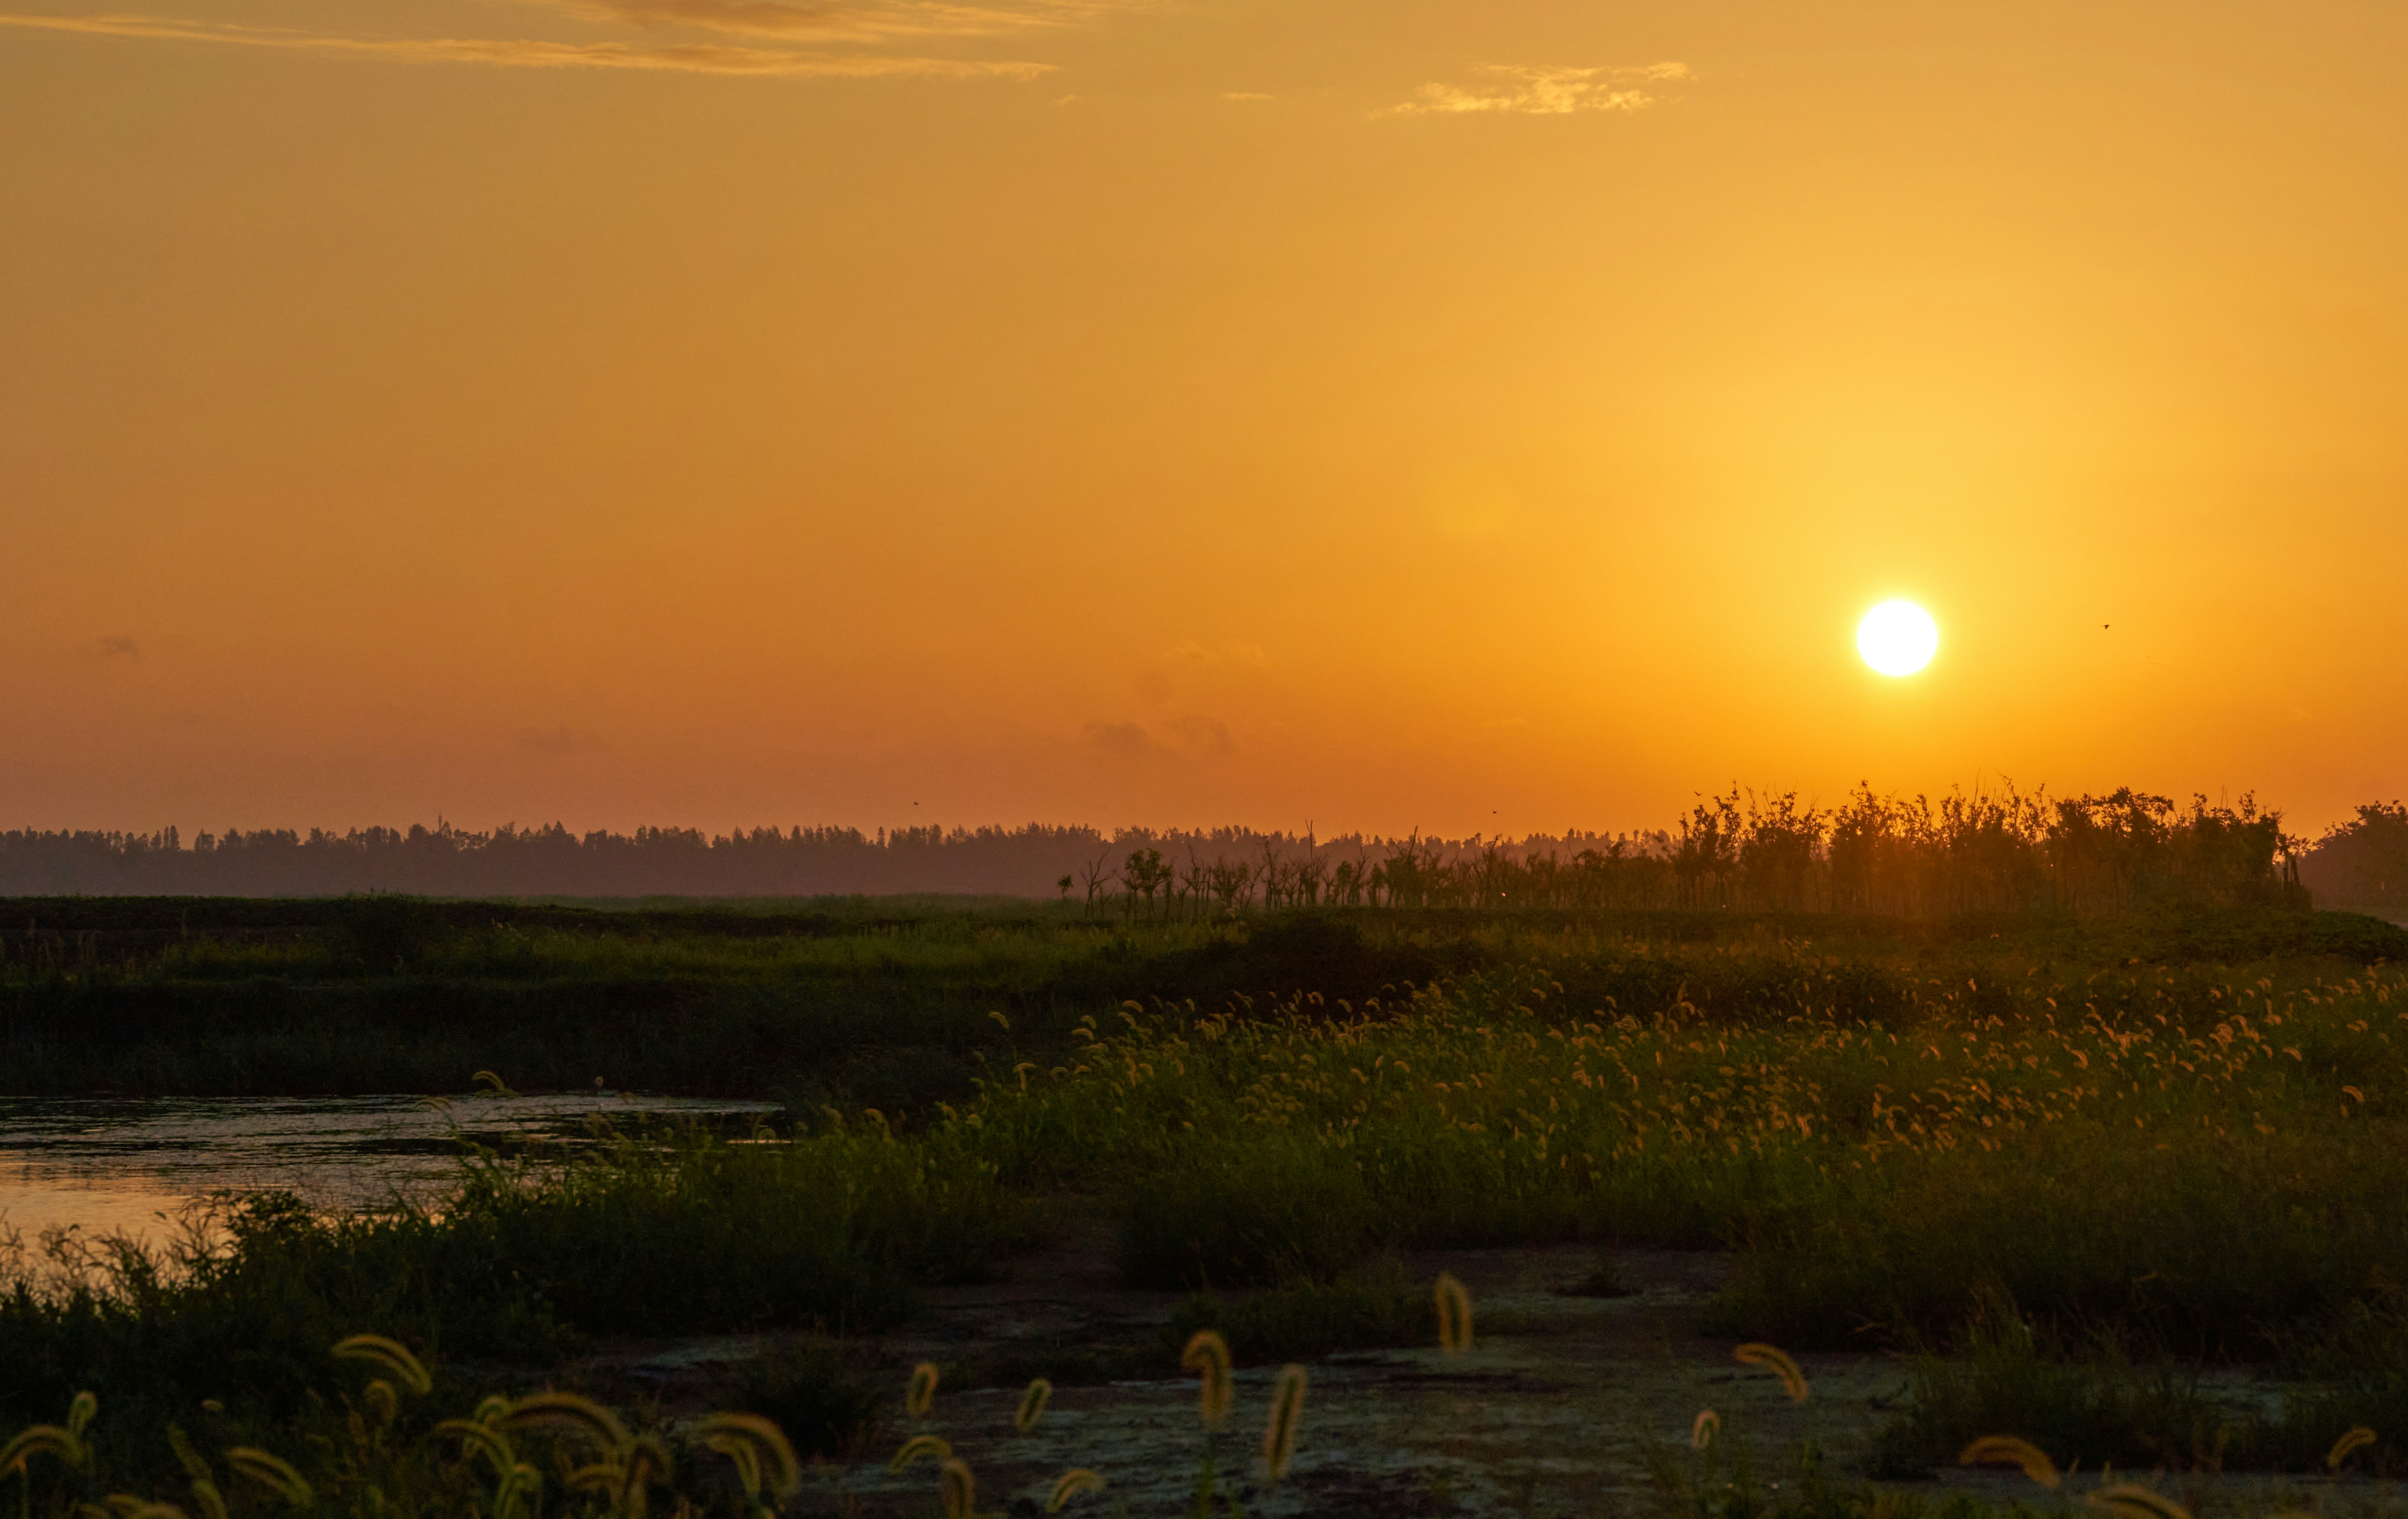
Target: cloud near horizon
[(1193, 736), (528, 52), (1546, 92)]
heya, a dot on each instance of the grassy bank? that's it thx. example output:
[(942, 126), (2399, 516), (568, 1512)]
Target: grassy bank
[(1910, 1137), (870, 1005)]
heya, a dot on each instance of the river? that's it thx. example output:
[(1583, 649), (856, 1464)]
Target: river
[(129, 1164)]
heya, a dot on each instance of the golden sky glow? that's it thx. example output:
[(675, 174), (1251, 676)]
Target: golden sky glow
[(1382, 414)]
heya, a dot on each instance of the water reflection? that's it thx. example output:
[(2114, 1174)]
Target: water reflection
[(108, 1164)]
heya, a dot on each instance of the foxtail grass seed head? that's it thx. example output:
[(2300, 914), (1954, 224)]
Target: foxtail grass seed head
[(762, 1446), (958, 1489), (475, 1434), (647, 1462), (2126, 1501), (1208, 1356), (49, 1440), (2005, 1450), (1032, 1405), (748, 1469), (82, 1409), (392, 1356), (523, 1479), (272, 1472), (187, 1457), (594, 1477), (918, 1446), (1070, 1484), (1287, 1412), (2357, 1436), (1703, 1428), (382, 1400), (1453, 1315), (922, 1391), (569, 1411), (1775, 1360)]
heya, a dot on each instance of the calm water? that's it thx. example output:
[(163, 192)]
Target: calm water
[(109, 1165)]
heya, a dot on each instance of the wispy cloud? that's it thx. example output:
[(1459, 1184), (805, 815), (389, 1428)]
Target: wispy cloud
[(854, 19), (1243, 95), (1202, 735), (116, 646), (1191, 737), (1125, 741), (1545, 92), (528, 52)]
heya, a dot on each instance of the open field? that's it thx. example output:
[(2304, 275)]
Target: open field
[(2082, 1178), (885, 1003)]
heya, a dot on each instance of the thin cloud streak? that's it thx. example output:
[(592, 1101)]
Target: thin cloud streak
[(1546, 92), (687, 58), (841, 18)]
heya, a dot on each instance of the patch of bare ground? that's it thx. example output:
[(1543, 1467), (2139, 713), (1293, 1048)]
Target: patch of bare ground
[(1551, 1413)]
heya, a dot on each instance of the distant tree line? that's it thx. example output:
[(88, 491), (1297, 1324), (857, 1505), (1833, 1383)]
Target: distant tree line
[(2363, 863), (1874, 855)]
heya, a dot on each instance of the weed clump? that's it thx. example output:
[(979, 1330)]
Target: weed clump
[(1307, 1319), (811, 1389)]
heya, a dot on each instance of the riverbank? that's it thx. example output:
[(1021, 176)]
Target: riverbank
[(2078, 1173)]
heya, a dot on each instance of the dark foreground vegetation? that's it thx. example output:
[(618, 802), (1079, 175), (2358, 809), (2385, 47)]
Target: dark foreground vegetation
[(380, 1448), (886, 1003), (2080, 1156)]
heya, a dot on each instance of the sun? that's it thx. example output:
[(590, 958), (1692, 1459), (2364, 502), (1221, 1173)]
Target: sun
[(1897, 638)]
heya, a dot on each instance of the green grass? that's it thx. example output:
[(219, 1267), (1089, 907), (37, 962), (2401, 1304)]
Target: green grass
[(815, 1390), (522, 1261), (2097, 1406), (2231, 1160), (1301, 1321), (2179, 1136), (204, 997)]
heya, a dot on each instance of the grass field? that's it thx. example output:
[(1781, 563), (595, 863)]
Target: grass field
[(2068, 1153), (885, 1004)]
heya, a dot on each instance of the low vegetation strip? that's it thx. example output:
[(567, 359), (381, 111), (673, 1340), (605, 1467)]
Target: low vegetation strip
[(2086, 1163), (896, 1013)]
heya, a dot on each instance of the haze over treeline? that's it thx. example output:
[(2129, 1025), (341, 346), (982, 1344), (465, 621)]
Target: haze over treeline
[(1874, 854)]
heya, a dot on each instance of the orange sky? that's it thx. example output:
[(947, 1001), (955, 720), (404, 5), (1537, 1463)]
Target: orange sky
[(1381, 413)]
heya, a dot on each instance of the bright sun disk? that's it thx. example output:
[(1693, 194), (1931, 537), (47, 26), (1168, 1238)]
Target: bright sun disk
[(1897, 638)]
